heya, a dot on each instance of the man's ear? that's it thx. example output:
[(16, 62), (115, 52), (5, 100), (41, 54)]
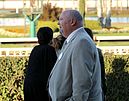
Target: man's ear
[(73, 22)]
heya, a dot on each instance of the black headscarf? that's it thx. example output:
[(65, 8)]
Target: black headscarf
[(44, 35)]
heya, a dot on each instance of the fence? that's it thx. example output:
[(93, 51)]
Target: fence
[(18, 40), (15, 51), (118, 50)]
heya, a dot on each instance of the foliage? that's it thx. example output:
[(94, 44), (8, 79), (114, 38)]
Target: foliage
[(82, 9), (12, 76), (117, 74), (117, 30), (14, 31), (17, 29), (50, 13), (89, 23), (92, 24), (50, 24)]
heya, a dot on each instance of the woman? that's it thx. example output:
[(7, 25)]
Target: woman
[(57, 43), (41, 61)]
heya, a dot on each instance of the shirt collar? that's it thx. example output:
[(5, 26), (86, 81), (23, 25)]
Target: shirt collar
[(71, 35)]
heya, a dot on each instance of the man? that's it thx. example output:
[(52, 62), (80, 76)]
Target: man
[(76, 75)]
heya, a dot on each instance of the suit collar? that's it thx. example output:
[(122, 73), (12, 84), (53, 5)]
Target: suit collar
[(71, 36)]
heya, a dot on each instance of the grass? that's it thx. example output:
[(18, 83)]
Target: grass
[(17, 45), (111, 34), (19, 29), (108, 33), (118, 43)]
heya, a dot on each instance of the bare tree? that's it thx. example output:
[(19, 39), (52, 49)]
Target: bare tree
[(104, 9), (32, 3), (100, 12), (3, 3), (82, 9), (108, 14), (121, 6), (127, 4)]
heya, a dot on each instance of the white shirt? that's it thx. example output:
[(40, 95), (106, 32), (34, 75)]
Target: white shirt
[(71, 35)]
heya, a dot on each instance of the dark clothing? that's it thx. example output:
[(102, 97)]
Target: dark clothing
[(41, 62), (103, 79)]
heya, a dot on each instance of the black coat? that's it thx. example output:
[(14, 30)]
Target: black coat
[(41, 62), (103, 75)]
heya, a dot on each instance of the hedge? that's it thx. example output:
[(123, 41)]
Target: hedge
[(117, 74), (12, 76), (53, 25)]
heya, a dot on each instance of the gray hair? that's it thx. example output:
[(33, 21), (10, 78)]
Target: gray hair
[(75, 14)]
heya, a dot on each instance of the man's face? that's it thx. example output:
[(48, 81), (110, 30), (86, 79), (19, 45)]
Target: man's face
[(64, 24)]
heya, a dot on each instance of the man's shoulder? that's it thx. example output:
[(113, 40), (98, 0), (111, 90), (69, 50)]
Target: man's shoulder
[(99, 50)]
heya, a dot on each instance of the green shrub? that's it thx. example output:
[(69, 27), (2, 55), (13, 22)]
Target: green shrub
[(89, 23), (12, 77), (52, 25), (117, 74), (94, 25)]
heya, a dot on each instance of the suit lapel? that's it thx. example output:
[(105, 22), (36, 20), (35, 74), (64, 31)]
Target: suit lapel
[(60, 56), (63, 50)]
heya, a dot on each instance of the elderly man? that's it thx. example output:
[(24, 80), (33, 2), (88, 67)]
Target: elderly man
[(76, 75)]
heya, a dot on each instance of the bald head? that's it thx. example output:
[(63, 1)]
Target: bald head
[(69, 21), (74, 14)]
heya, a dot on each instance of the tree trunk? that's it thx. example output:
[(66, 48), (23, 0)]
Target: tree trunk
[(82, 9), (127, 5), (64, 5), (121, 6), (100, 12), (3, 4), (108, 15), (73, 6), (86, 6), (117, 6)]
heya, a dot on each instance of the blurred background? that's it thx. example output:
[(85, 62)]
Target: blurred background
[(20, 20)]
